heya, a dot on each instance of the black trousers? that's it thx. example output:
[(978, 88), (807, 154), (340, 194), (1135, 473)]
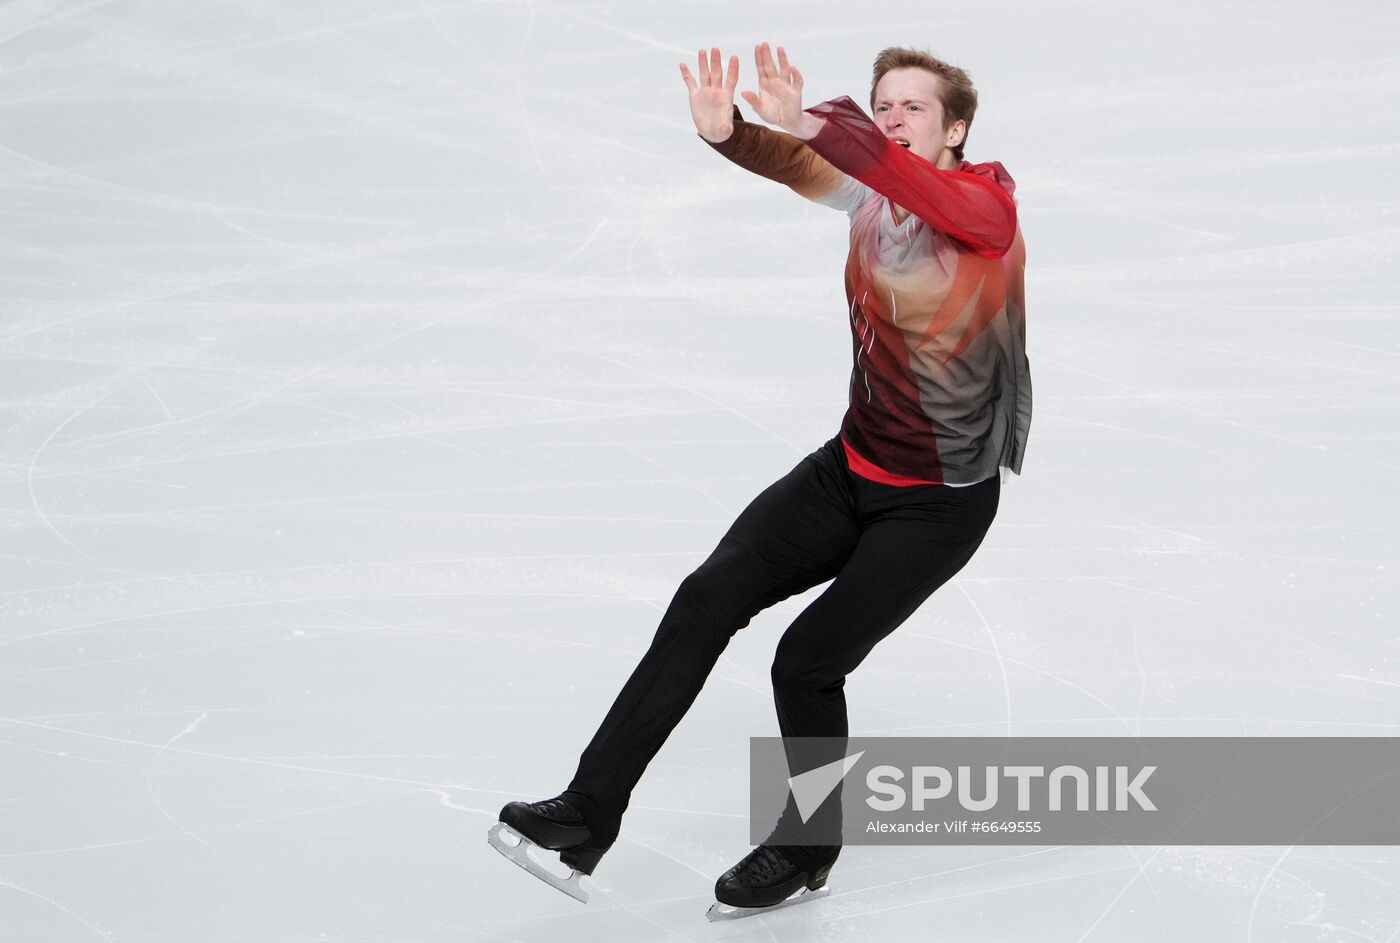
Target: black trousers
[(886, 549)]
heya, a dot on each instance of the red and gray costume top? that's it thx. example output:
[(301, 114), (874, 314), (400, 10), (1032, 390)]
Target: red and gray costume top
[(940, 389)]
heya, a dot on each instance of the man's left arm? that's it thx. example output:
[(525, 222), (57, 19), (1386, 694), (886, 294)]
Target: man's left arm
[(976, 211), (972, 208)]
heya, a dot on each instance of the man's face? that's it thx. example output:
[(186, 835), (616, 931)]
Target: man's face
[(907, 109)]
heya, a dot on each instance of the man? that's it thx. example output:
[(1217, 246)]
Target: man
[(898, 501)]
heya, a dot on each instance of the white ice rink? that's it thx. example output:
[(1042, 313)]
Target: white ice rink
[(371, 373)]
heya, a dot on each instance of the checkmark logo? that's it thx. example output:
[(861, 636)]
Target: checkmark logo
[(811, 788)]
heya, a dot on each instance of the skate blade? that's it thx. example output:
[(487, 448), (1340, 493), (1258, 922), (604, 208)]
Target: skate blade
[(718, 911), (515, 846)]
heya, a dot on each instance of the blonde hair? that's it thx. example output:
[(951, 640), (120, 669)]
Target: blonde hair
[(955, 91)]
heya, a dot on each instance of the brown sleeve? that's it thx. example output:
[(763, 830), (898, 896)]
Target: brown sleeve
[(779, 156)]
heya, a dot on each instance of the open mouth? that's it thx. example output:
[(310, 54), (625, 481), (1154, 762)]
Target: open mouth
[(901, 142)]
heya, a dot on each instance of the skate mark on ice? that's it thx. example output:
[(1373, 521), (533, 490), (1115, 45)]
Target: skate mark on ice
[(1141, 871), (996, 651), (1005, 660), (57, 906), (445, 800)]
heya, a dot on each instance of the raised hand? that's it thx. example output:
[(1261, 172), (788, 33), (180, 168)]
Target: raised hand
[(712, 98), (779, 98)]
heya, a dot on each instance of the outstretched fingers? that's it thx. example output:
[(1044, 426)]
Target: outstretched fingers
[(763, 61), (787, 70), (710, 69), (711, 72), (768, 69)]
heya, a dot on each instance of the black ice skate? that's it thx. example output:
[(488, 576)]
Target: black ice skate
[(766, 879), (554, 825)]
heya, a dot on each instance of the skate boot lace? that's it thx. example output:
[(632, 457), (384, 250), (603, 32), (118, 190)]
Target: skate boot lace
[(557, 808), (762, 863)]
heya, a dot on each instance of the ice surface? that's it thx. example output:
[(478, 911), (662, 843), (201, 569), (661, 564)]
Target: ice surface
[(373, 372)]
